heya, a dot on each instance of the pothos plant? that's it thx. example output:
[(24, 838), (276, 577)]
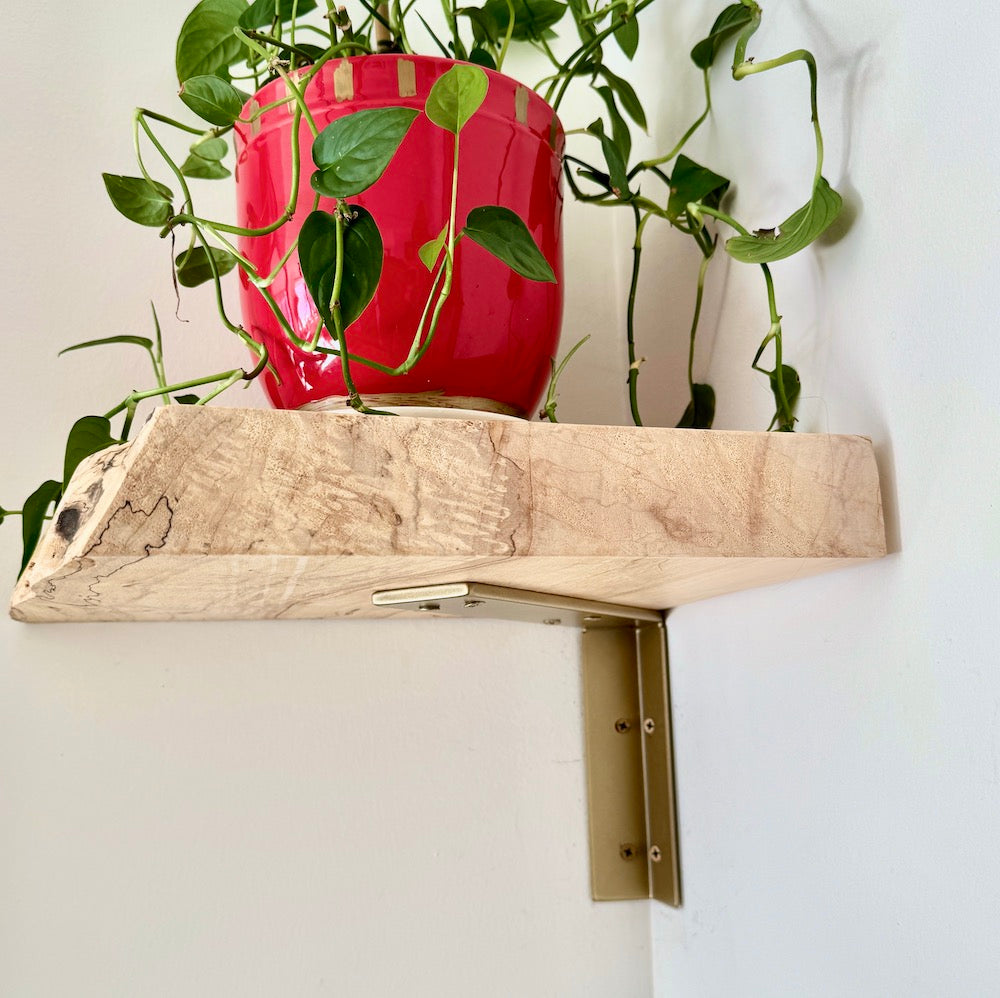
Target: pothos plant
[(226, 44)]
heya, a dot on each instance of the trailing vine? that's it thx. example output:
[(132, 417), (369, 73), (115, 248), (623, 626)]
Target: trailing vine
[(224, 44)]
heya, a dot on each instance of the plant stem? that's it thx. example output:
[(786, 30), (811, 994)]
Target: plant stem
[(633, 363), (702, 270), (549, 410), (354, 399), (743, 67), (650, 163)]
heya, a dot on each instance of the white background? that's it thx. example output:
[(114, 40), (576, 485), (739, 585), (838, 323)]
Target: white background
[(332, 808)]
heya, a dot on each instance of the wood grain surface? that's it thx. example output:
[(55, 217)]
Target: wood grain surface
[(214, 513)]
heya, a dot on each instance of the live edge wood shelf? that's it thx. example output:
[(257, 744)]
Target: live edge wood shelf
[(215, 513)]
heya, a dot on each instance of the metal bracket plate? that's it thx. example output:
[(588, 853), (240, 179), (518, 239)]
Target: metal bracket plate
[(626, 691)]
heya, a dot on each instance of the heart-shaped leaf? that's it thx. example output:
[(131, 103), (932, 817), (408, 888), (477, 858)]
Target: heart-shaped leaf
[(33, 513), (792, 386), (614, 158), (203, 169), (88, 435), (194, 268), (480, 57), (211, 147), (620, 134), (262, 12), (626, 95), (732, 18), (456, 96), (206, 42), (627, 36), (212, 99), (484, 25), (532, 18), (692, 183), (431, 250), (204, 160), (500, 232), (362, 265), (700, 411), (352, 152), (138, 199), (795, 232)]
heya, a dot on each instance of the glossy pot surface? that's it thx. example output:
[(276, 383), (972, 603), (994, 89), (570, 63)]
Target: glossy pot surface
[(498, 330)]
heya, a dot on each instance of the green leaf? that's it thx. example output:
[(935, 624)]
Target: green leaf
[(194, 268), (138, 199), (139, 341), (726, 25), (700, 411), (88, 435), (211, 147), (263, 12), (206, 42), (362, 263), (793, 388), (532, 18), (626, 95), (431, 250), (352, 152), (203, 161), (795, 232), (484, 25), (614, 159), (33, 512), (500, 232), (480, 57), (620, 134), (627, 36), (212, 99), (456, 96), (203, 169), (186, 399), (691, 183)]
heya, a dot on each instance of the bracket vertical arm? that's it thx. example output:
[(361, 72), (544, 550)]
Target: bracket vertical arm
[(626, 687)]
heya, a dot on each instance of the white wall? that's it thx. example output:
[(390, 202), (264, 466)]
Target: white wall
[(838, 739), (358, 809), (319, 808)]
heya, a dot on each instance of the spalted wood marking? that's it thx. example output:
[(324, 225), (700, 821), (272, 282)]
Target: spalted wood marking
[(231, 513)]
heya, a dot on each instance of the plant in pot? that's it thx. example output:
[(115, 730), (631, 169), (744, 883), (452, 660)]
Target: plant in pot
[(398, 224)]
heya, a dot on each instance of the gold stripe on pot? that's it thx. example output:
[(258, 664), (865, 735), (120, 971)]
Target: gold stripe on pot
[(343, 81), (407, 76), (253, 109), (521, 104)]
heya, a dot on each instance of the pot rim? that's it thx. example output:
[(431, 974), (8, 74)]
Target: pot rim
[(275, 89)]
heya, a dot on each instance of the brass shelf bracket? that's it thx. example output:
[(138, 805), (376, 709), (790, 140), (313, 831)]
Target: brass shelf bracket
[(629, 751)]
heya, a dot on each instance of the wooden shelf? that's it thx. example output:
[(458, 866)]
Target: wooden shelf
[(215, 513)]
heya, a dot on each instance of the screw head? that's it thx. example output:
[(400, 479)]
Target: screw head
[(471, 604), (553, 620), (429, 606), (626, 850), (649, 725), (655, 854), (622, 725)]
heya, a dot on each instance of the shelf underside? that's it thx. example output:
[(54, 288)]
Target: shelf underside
[(215, 513)]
